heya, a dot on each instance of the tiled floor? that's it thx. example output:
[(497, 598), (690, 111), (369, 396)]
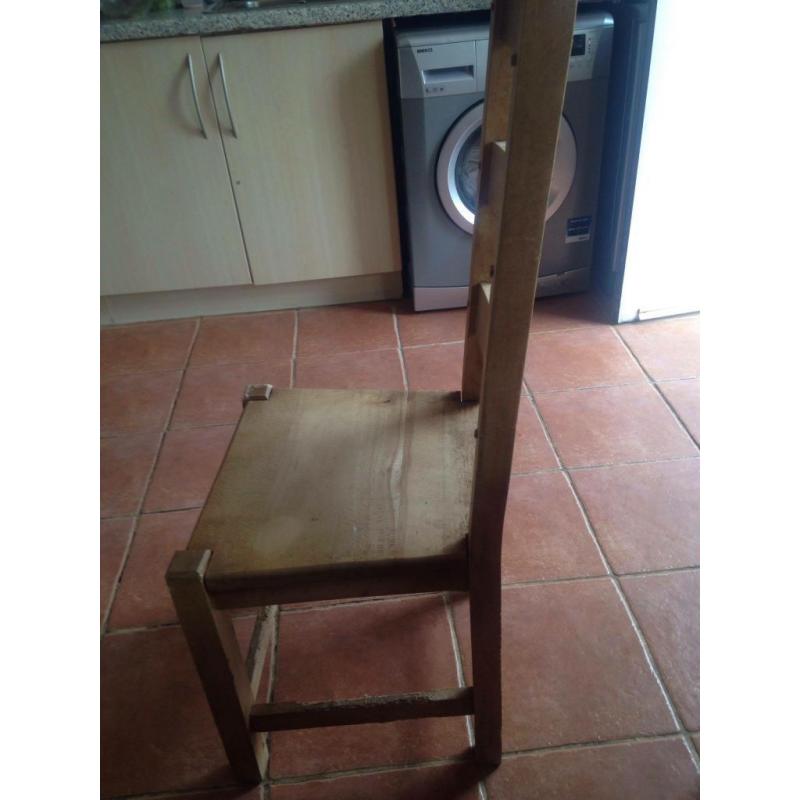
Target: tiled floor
[(601, 555)]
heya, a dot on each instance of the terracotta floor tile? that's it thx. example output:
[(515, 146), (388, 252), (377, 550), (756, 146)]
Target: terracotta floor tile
[(370, 648), (545, 536), (646, 516), (125, 463), (437, 367), (114, 536), (684, 397), (244, 338), (137, 403), (573, 668), (532, 451), (186, 468), (447, 782), (157, 733), (143, 598), (239, 793), (666, 348), (655, 770), (346, 329), (376, 369), (668, 610), (590, 427), (212, 395), (568, 311), (575, 359), (431, 327), (150, 347)]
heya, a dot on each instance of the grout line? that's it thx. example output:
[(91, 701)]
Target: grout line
[(328, 606), (138, 514), (272, 681), (665, 571), (649, 658), (462, 682), (677, 380), (148, 480), (359, 771), (273, 651), (134, 521), (654, 384), (656, 673), (557, 748), (675, 413), (451, 622), (184, 427), (638, 382), (432, 344), (295, 337), (400, 353), (174, 405), (170, 510), (162, 626), (142, 629), (112, 517), (337, 353), (694, 457)]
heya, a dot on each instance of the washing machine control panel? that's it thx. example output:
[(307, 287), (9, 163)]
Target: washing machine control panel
[(591, 51), (437, 63), (434, 68)]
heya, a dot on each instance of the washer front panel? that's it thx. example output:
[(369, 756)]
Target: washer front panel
[(458, 169)]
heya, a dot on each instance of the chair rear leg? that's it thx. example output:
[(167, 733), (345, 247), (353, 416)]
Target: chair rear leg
[(486, 675), (219, 662)]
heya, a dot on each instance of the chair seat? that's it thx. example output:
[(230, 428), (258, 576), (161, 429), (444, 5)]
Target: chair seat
[(330, 493)]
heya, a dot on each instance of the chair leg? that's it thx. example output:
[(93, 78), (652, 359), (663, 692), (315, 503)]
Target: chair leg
[(486, 679), (216, 654)]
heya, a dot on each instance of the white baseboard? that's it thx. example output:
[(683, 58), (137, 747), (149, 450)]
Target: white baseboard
[(124, 308)]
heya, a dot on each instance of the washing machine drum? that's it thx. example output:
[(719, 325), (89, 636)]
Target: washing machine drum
[(458, 168)]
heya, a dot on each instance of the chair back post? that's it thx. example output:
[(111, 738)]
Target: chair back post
[(526, 85)]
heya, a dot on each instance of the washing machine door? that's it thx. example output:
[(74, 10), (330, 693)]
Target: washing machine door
[(458, 168)]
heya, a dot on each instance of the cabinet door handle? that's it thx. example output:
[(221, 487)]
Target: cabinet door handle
[(194, 95), (225, 94)]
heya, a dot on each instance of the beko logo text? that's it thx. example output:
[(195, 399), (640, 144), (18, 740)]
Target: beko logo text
[(425, 50)]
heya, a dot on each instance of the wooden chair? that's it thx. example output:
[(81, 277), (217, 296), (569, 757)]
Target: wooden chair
[(329, 494)]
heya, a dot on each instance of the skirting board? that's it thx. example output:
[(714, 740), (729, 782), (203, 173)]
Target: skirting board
[(125, 308)]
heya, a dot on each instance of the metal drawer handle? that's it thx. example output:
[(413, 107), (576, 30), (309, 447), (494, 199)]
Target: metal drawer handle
[(227, 99), (194, 95)]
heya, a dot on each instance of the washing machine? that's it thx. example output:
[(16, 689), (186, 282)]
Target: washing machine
[(442, 76)]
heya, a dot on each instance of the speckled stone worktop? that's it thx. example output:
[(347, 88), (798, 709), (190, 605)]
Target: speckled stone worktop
[(280, 15)]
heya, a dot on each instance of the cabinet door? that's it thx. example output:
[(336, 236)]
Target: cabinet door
[(306, 131), (168, 216)]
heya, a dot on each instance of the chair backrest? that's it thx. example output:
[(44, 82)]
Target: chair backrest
[(529, 54)]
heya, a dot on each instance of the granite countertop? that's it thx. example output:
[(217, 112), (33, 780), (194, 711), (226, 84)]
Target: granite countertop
[(279, 15)]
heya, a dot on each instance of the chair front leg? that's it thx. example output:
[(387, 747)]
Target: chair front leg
[(216, 655)]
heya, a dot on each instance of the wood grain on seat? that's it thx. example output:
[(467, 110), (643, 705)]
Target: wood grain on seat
[(328, 486)]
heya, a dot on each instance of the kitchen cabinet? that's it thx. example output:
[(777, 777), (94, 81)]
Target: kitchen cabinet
[(168, 216), (292, 181), (305, 123)]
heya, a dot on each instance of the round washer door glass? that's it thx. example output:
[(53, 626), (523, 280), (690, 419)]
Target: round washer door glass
[(458, 169)]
